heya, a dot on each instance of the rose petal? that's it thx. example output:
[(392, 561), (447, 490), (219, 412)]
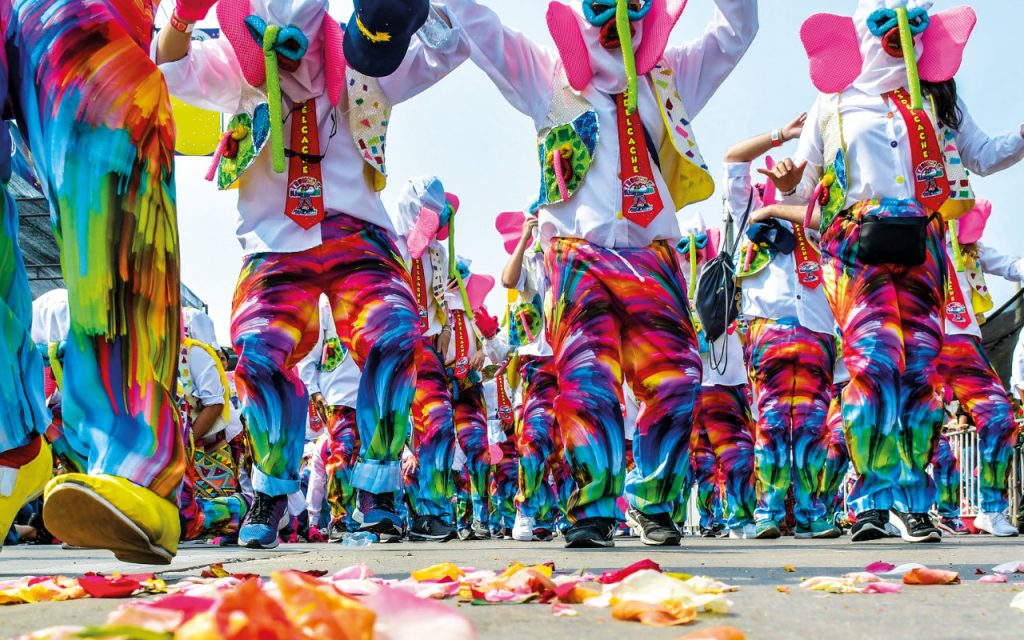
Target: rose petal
[(1009, 567), (1018, 602), (879, 567), (355, 572), (401, 615), (995, 579), (883, 587), (652, 614), (715, 633), (931, 577), (99, 586), (611, 577), (560, 610), (438, 572), (904, 569)]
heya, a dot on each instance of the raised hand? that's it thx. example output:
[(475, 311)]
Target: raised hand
[(786, 175)]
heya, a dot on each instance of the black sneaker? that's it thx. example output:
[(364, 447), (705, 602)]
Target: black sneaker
[(656, 530), (430, 529), (466, 533), (381, 517), (338, 531), (914, 527), (707, 532), (870, 525), (480, 531), (591, 533), (543, 534)]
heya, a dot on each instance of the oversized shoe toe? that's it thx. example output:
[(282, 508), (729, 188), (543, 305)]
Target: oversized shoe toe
[(107, 512), (27, 486)]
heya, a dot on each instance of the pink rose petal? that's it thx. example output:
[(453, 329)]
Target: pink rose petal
[(883, 588), (995, 578), (401, 615), (879, 567)]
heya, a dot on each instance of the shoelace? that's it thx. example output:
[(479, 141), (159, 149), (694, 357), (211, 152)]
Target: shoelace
[(260, 509)]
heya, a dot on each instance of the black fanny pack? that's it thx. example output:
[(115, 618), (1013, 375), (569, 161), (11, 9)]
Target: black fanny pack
[(893, 240)]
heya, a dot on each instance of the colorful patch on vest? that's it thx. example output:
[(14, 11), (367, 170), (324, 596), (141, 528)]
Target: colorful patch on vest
[(833, 196), (760, 256), (334, 355), (576, 143), (257, 128), (525, 322)]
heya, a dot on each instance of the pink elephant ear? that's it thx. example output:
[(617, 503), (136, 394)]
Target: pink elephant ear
[(422, 232), (971, 226), (944, 41), (231, 15), (714, 240), (334, 58), (658, 25), (833, 48), (442, 233), (566, 27), (477, 288), (510, 226)]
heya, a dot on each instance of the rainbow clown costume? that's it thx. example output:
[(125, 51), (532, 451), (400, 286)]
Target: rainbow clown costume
[(886, 186), (723, 430), (102, 140), (311, 219), (964, 368), (612, 107), (424, 221)]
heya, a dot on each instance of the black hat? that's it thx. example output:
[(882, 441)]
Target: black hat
[(378, 34)]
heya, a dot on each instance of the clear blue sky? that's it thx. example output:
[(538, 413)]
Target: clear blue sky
[(483, 150)]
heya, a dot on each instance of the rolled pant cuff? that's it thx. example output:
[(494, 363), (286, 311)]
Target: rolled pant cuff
[(603, 508), (377, 477), (272, 486)]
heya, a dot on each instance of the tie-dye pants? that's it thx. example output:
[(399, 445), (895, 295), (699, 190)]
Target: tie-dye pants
[(837, 459), (342, 448), (535, 434), (108, 164), (505, 483), (791, 372), (946, 474), (433, 420), (275, 324), (727, 433), (706, 478), (471, 430), (890, 320), (965, 369), (622, 313)]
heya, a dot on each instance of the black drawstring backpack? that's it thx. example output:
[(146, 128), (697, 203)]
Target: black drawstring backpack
[(717, 300)]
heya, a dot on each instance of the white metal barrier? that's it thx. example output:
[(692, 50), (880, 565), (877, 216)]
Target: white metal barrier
[(965, 448)]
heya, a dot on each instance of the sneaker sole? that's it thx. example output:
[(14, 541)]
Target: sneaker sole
[(633, 524), (589, 543), (529, 537), (256, 544), (422, 537), (933, 536), (70, 504), (869, 533), (771, 534), (810, 535)]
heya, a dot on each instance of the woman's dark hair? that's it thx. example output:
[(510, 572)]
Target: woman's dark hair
[(944, 94)]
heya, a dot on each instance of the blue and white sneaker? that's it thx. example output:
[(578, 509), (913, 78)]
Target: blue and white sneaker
[(381, 517), (263, 521)]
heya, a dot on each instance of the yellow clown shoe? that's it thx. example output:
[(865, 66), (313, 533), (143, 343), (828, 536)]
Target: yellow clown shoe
[(108, 512), (21, 485)]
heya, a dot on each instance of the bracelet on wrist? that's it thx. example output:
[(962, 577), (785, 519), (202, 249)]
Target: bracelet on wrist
[(181, 25), (790, 192), (777, 137)]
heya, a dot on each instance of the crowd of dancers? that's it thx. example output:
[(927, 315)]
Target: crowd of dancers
[(643, 351)]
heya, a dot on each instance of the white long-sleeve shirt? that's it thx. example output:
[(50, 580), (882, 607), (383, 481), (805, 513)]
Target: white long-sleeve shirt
[(528, 76), (209, 77), (775, 293), (339, 386), (1017, 368), (991, 262), (533, 283), (878, 149)]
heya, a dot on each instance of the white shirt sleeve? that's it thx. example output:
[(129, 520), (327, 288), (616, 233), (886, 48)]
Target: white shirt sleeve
[(998, 264), (522, 71), (496, 348), (811, 148), (209, 77), (1017, 369), (206, 383), (984, 155), (701, 66), (739, 191), (424, 67), (309, 368)]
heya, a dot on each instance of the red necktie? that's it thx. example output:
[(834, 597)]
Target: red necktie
[(956, 304), (419, 281), (931, 184), (641, 202), (808, 260), (305, 199)]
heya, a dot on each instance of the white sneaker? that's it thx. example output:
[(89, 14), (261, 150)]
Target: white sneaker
[(746, 532), (995, 523), (523, 528)]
